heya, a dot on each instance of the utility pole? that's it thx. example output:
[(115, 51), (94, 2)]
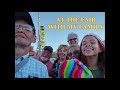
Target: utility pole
[(39, 43)]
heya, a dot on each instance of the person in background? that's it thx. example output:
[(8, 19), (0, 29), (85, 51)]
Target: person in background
[(45, 56), (72, 39), (61, 57), (73, 52), (93, 55), (25, 66)]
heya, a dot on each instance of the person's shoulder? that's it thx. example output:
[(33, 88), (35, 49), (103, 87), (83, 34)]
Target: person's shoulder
[(40, 67), (36, 57), (50, 62), (55, 61), (36, 61)]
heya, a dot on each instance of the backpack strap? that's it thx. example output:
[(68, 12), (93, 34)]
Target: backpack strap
[(21, 64)]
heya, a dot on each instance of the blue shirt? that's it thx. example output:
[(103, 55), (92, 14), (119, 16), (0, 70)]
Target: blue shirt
[(33, 68)]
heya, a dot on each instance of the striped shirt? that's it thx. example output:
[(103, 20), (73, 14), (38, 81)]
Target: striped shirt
[(32, 69)]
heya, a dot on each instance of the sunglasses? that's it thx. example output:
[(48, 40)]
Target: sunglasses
[(72, 39), (74, 53), (24, 27)]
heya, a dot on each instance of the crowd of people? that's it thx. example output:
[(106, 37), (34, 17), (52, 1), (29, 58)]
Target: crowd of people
[(84, 60)]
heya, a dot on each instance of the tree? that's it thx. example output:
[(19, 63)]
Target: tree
[(54, 54)]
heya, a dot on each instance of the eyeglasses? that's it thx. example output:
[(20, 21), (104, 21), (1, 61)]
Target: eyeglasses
[(72, 39), (74, 53), (24, 27)]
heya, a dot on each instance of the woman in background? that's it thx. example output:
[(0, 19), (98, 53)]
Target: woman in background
[(73, 52), (61, 57)]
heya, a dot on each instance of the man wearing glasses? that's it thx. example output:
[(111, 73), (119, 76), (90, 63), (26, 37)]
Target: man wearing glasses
[(72, 39), (25, 66)]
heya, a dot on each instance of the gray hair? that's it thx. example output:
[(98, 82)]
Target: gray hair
[(72, 34)]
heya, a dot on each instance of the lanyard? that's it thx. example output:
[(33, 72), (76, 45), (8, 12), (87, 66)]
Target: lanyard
[(21, 64)]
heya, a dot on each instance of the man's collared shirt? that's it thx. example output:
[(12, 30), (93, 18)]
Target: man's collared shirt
[(49, 66), (48, 63), (32, 69)]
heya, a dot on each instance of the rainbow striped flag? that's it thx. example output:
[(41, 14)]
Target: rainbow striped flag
[(74, 69)]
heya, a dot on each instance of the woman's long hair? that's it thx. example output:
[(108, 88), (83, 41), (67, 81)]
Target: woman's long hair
[(101, 55)]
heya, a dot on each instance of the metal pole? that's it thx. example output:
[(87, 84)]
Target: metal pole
[(39, 32)]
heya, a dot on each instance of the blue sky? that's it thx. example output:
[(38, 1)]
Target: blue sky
[(55, 37)]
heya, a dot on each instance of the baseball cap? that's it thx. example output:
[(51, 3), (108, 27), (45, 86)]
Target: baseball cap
[(48, 48), (25, 16)]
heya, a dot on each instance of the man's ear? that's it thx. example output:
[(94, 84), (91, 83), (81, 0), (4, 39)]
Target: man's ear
[(34, 39)]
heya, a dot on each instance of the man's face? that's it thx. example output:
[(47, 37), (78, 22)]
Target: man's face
[(72, 40), (23, 34), (45, 55)]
